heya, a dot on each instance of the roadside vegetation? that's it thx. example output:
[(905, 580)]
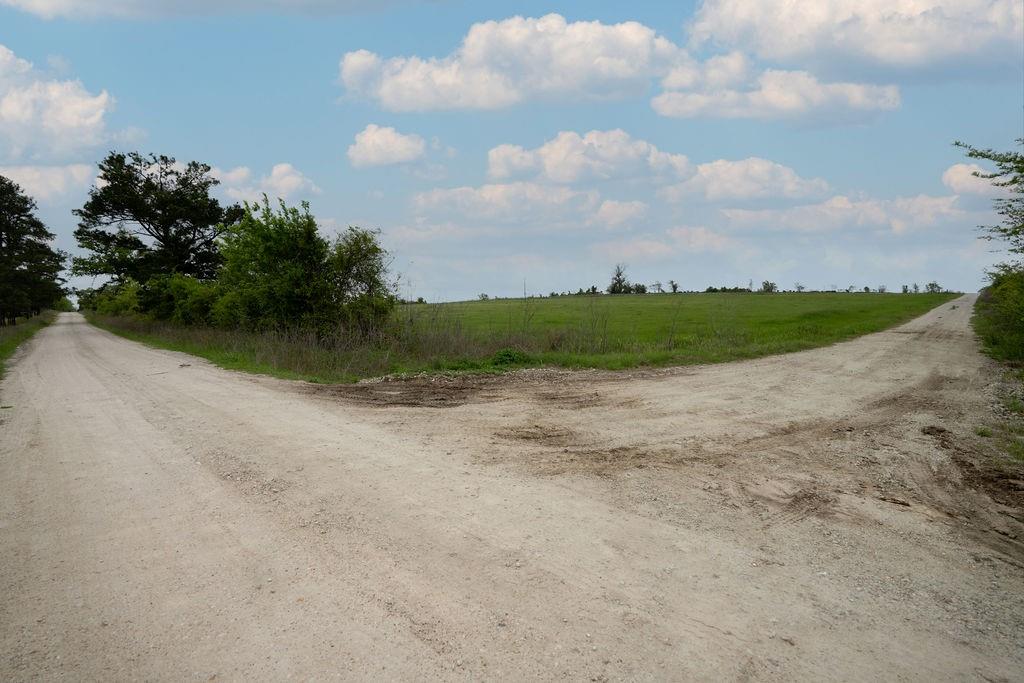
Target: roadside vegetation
[(999, 313), (30, 268), (257, 287), (610, 332), (14, 335)]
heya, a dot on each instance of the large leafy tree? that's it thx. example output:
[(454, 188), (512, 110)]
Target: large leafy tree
[(1009, 174), (29, 267), (150, 215)]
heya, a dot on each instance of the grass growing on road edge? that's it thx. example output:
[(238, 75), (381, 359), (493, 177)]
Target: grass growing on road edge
[(12, 336), (574, 332)]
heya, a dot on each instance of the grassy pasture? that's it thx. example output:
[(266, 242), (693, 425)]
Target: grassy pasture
[(610, 332), (629, 330)]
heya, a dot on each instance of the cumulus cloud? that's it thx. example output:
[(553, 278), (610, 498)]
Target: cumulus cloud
[(776, 94), (41, 117), (508, 202), (384, 146), (899, 215), (501, 63), (888, 33), (45, 183), (49, 9), (597, 155), (751, 178), (960, 178), (616, 214), (283, 182)]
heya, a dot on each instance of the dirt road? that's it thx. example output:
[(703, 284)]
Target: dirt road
[(800, 516)]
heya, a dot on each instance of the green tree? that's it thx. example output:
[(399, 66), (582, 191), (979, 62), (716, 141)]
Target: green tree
[(620, 283), (358, 268), (149, 215), (29, 267), (280, 272), (275, 269)]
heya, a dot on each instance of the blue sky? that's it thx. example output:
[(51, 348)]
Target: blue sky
[(494, 144)]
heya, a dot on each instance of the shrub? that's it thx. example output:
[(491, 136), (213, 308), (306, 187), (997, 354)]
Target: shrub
[(509, 356), (178, 298), (115, 299), (1000, 315)]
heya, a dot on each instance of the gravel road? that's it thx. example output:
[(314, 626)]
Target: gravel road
[(802, 516)]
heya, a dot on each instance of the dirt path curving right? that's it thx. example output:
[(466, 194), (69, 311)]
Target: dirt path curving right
[(811, 516)]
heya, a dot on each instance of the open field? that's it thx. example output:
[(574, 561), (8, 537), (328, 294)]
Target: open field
[(821, 515), (14, 335), (575, 332)]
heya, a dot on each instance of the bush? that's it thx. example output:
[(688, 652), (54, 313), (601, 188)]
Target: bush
[(1000, 315), (119, 299), (510, 356), (178, 298), (280, 273)]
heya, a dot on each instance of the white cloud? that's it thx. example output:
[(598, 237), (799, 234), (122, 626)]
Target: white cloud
[(49, 9), (700, 239), (891, 33), (638, 249), (284, 182), (501, 63), (899, 215), (44, 183), (960, 178), (676, 241), (751, 178), (512, 202), (778, 95), (597, 155), (383, 146), (615, 214), (41, 117)]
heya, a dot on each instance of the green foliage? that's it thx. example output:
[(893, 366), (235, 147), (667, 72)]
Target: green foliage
[(595, 331), (150, 216), (508, 356), (279, 272), (275, 267), (1009, 174), (29, 267), (12, 336), (357, 269), (1000, 311), (619, 284), (178, 298), (118, 299), (999, 319)]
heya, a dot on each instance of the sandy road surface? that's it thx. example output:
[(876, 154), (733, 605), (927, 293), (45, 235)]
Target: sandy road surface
[(786, 517)]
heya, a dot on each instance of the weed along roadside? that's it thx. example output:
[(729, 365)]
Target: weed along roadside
[(12, 336), (602, 331)]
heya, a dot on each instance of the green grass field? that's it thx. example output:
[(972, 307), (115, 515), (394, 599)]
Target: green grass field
[(627, 331), (13, 336), (587, 331)]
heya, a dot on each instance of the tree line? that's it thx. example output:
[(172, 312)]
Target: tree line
[(30, 267), (171, 251)]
